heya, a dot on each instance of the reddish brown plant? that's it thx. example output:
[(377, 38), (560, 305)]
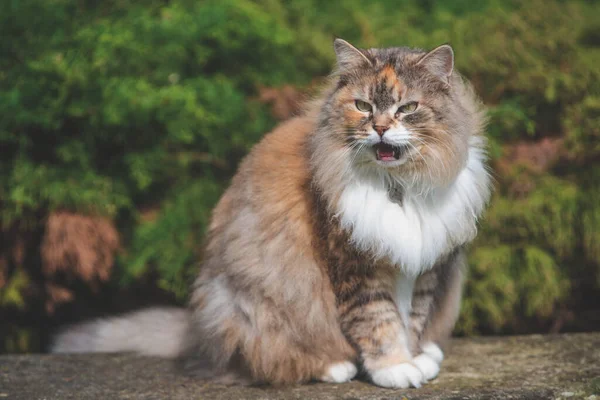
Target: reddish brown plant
[(81, 246), (285, 101)]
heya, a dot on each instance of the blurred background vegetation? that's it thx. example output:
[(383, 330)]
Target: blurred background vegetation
[(121, 122)]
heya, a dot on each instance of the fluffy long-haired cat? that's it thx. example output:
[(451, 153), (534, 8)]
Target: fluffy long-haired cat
[(338, 247)]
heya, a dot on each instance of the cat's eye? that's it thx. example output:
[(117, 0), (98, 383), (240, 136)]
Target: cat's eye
[(363, 106), (408, 107)]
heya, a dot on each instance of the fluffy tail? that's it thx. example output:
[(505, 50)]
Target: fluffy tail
[(156, 331)]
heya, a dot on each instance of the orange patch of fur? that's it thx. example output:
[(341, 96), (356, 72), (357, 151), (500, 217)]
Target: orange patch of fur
[(389, 75)]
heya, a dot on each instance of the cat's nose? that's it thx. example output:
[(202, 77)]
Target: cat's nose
[(380, 129)]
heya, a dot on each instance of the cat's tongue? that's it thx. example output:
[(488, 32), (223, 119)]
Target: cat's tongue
[(385, 152)]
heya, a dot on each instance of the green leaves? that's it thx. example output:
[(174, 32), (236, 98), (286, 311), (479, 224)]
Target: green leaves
[(171, 241), (510, 282)]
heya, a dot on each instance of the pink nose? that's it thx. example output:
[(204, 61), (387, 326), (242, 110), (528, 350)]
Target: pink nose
[(380, 129)]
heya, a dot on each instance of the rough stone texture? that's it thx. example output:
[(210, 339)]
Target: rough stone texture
[(518, 367)]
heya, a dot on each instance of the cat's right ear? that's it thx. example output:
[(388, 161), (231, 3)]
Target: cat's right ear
[(349, 57), (440, 62)]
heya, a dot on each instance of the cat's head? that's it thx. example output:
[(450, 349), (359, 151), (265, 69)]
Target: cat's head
[(402, 111)]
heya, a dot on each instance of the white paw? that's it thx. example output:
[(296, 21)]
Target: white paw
[(433, 351), (340, 372), (401, 376), (429, 361), (427, 365)]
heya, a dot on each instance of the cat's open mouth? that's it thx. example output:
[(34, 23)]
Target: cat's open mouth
[(387, 152)]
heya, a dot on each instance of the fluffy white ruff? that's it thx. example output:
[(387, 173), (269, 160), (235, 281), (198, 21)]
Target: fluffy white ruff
[(426, 226), (340, 372)]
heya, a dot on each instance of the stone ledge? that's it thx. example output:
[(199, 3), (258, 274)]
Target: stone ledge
[(517, 367)]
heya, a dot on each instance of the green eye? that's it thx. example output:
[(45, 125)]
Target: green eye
[(408, 108), (363, 106)]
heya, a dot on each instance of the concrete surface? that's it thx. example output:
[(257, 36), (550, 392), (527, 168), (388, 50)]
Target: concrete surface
[(518, 367)]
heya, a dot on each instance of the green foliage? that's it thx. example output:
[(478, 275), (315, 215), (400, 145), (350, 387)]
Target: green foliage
[(140, 111), (159, 243), (11, 294), (130, 106)]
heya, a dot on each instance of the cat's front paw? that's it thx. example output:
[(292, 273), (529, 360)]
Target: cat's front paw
[(340, 372), (433, 351), (429, 361), (427, 365), (400, 376)]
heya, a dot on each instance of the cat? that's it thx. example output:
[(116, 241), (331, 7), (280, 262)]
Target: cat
[(338, 248)]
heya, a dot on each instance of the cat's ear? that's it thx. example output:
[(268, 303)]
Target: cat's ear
[(348, 56), (439, 62)]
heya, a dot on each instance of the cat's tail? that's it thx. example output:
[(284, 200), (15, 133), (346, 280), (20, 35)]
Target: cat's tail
[(155, 331)]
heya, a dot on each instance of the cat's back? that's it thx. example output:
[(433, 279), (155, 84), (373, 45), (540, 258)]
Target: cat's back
[(278, 164), (270, 192)]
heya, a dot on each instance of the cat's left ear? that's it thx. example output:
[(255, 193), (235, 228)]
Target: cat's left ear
[(349, 57), (439, 62)]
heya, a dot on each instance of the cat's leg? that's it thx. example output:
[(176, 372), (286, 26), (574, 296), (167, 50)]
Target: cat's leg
[(428, 355), (373, 325), (246, 336), (435, 308)]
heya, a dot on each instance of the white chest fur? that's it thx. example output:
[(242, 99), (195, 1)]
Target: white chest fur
[(416, 233)]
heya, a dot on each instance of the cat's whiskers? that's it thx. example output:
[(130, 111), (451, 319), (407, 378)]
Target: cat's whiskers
[(445, 146), (425, 163), (440, 162)]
